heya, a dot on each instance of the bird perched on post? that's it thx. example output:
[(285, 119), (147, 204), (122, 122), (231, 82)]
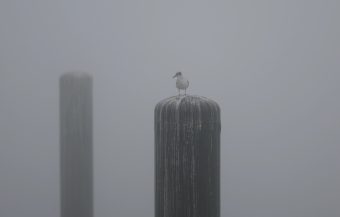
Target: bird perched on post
[(181, 83)]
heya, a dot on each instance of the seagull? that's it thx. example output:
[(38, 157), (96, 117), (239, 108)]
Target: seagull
[(181, 83)]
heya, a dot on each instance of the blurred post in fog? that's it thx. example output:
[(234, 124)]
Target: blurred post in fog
[(76, 169)]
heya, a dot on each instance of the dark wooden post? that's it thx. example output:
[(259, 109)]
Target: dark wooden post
[(76, 170), (187, 157)]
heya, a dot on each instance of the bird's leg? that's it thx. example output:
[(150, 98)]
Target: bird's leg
[(179, 92), (185, 91)]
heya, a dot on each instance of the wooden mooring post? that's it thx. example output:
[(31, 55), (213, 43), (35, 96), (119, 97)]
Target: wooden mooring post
[(76, 169), (187, 157)]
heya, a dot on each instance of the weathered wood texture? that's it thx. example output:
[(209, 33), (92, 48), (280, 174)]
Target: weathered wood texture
[(76, 169), (187, 157)]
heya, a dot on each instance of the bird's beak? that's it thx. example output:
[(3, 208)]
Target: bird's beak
[(174, 76)]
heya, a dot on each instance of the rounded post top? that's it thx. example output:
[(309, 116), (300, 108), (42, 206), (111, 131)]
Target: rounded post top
[(187, 108), (75, 75), (188, 100)]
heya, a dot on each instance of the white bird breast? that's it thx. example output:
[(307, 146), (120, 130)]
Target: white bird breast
[(182, 83)]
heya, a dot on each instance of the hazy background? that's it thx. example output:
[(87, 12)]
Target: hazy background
[(273, 66)]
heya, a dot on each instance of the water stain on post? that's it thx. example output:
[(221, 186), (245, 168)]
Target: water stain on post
[(187, 157)]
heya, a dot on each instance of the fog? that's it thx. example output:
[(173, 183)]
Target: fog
[(273, 67)]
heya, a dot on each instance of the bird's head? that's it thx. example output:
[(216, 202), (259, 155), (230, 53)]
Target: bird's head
[(177, 74)]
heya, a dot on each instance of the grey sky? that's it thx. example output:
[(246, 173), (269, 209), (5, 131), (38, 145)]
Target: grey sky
[(273, 66)]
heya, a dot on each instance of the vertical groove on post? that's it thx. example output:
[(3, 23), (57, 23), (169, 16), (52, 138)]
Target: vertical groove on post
[(187, 157), (76, 167)]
